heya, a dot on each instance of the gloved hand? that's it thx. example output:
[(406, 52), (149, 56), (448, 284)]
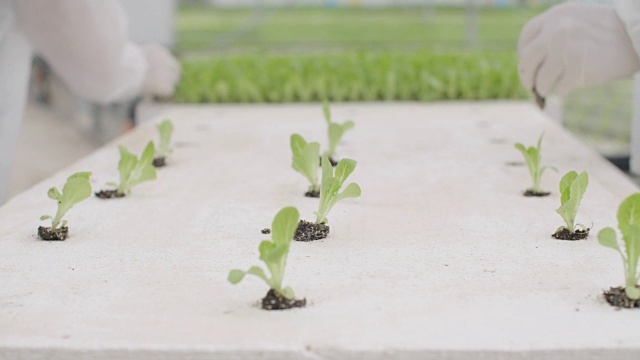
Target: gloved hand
[(163, 71), (573, 45)]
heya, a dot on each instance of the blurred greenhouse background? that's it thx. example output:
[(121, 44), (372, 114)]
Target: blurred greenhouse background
[(376, 50), (239, 51)]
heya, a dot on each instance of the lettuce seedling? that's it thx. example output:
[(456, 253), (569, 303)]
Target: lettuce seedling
[(165, 129), (572, 189), (306, 160), (335, 131), (629, 225), (532, 158), (134, 171), (76, 189), (274, 253), (331, 185)]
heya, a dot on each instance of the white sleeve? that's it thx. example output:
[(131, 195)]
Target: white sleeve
[(86, 43), (629, 12)]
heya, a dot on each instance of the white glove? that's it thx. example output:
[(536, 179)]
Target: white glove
[(573, 45), (163, 71)]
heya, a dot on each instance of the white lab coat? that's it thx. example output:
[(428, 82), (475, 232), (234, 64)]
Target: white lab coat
[(85, 42)]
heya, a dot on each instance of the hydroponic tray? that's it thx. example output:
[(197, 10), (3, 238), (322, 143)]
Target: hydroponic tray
[(440, 258)]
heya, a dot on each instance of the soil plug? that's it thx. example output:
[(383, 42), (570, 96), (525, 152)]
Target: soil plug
[(572, 189), (76, 189), (306, 160), (133, 171), (165, 129), (274, 254), (629, 225), (532, 158), (335, 132), (329, 196)]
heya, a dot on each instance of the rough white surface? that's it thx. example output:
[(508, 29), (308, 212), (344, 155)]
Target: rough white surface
[(441, 258)]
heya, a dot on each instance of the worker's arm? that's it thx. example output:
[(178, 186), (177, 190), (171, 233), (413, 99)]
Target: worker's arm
[(629, 12), (86, 43), (573, 45)]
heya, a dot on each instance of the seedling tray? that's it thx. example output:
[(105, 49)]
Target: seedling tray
[(441, 258)]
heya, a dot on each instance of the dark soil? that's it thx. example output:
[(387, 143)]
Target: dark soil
[(331, 160), (309, 231), (159, 161), (266, 231), (312, 194), (530, 193), (109, 194), (564, 234), (49, 234), (273, 301), (618, 298)]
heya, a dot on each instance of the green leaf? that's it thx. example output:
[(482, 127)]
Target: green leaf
[(327, 170), (45, 217), (351, 191), (629, 225), (126, 165), (573, 193), (284, 225), (147, 172), (148, 153), (527, 158), (629, 213), (81, 174), (539, 145), (344, 168), (306, 158), (348, 125), (134, 171), (522, 149), (297, 143), (532, 158), (632, 292), (165, 129), (334, 130), (76, 189), (633, 239), (235, 276), (331, 184), (565, 184), (288, 293), (607, 237), (265, 248), (257, 271), (277, 253), (53, 194), (326, 111)]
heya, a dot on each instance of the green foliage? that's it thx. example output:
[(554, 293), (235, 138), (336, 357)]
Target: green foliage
[(629, 225), (331, 185), (203, 29), (532, 157), (133, 171), (352, 76), (274, 253), (76, 189), (334, 130), (306, 160), (165, 129), (572, 189)]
